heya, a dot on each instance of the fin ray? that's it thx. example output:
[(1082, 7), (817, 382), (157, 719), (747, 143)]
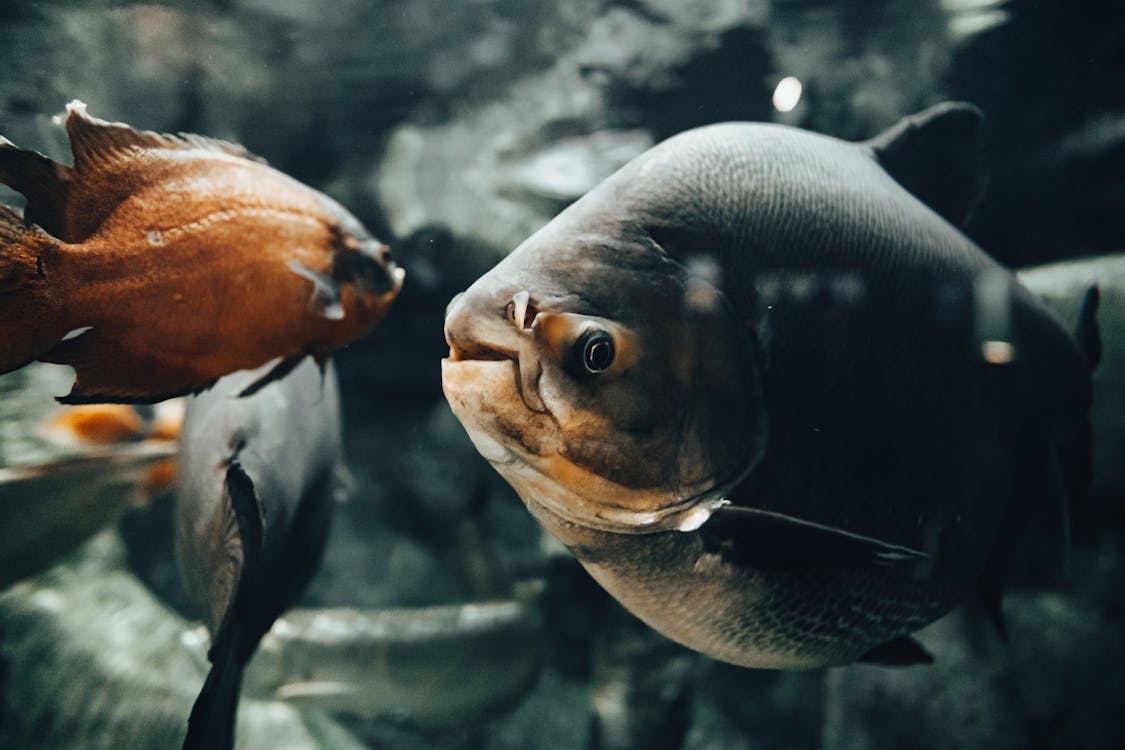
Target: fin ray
[(97, 143), (775, 541)]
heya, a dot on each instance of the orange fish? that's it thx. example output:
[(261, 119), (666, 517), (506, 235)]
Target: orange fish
[(159, 263)]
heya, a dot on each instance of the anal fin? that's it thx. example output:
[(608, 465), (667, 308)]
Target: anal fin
[(105, 374)]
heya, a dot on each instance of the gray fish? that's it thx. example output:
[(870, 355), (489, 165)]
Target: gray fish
[(258, 480), (770, 397), (437, 667)]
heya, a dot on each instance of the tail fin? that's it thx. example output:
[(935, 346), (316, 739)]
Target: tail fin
[(1086, 328), (43, 182), (211, 724), (26, 316), (1077, 448)]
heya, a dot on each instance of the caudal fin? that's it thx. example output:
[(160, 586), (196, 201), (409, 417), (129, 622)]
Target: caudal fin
[(45, 184), (1086, 328), (212, 720), (27, 315)]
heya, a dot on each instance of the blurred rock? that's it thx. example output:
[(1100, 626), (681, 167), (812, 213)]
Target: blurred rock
[(513, 157)]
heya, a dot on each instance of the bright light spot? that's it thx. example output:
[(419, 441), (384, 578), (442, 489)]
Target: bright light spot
[(997, 352), (787, 94)]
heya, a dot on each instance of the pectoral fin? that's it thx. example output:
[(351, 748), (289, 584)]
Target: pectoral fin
[(325, 299), (774, 541)]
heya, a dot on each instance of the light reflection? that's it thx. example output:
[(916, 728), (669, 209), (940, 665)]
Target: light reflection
[(993, 317), (787, 94), (997, 352)]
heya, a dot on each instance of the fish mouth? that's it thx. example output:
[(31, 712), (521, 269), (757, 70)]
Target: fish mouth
[(371, 265), (477, 338), (525, 371), (473, 351)]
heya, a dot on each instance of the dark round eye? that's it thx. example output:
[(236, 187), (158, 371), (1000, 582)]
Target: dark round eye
[(595, 351)]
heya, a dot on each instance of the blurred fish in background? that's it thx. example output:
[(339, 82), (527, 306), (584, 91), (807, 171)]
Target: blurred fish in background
[(68, 472)]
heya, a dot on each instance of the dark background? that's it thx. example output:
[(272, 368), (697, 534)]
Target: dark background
[(454, 129)]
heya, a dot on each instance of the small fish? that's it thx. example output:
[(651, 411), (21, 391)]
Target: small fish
[(49, 509), (95, 424), (770, 397), (258, 479), (159, 263), (93, 464), (437, 667), (90, 625)]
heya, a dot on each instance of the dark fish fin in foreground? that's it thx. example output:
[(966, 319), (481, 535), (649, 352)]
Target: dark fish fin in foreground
[(39, 179), (900, 652), (938, 155), (774, 541), (212, 721), (277, 372)]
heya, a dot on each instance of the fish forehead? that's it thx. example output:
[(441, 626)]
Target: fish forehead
[(581, 264)]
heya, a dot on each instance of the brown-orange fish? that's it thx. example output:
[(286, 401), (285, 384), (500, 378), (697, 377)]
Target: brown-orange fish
[(158, 263)]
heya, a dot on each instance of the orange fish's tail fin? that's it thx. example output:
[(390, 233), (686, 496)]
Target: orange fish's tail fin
[(28, 314), (45, 184)]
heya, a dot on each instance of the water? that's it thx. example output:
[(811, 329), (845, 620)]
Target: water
[(454, 130)]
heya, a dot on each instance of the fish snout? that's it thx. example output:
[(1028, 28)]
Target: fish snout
[(475, 329), (370, 264)]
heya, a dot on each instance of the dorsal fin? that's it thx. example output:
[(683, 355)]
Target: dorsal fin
[(98, 144), (938, 155)]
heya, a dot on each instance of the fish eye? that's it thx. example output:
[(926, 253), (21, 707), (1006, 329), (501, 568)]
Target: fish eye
[(594, 351)]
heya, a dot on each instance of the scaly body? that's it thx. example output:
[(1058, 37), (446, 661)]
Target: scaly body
[(779, 407), (157, 264)]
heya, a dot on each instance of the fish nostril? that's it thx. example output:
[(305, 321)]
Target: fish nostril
[(520, 311)]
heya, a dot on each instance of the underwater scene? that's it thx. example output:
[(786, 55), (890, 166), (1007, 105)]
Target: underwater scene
[(574, 375)]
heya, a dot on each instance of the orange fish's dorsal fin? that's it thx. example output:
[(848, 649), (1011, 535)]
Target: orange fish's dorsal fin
[(99, 145), (113, 161)]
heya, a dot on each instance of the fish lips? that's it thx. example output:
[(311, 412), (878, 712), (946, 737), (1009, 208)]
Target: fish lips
[(369, 265), (482, 339)]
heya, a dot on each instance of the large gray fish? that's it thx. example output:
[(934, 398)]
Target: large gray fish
[(257, 482), (770, 397)]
